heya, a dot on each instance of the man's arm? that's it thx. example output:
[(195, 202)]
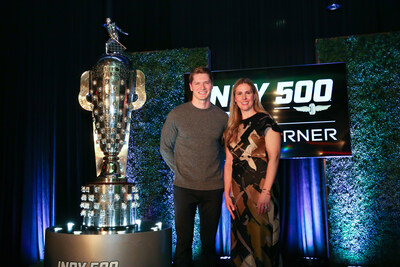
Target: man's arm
[(121, 31), (167, 142)]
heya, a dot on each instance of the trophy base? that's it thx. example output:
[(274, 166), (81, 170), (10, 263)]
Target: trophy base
[(106, 204), (144, 245), (94, 230)]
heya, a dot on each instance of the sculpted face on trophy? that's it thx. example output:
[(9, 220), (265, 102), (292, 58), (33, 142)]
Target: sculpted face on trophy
[(111, 91)]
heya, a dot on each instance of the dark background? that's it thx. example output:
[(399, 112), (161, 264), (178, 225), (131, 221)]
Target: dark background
[(47, 45)]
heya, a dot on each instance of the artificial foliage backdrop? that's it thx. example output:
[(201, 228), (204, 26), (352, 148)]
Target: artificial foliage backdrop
[(364, 190), (164, 71)]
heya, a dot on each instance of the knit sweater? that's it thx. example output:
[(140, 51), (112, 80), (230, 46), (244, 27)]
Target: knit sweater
[(191, 145)]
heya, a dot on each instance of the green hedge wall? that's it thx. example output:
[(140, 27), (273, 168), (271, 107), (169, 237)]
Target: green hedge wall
[(364, 190), (164, 71)]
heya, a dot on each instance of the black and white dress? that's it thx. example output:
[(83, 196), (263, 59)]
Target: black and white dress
[(254, 237)]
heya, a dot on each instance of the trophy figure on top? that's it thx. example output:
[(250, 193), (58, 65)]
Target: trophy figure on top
[(113, 45)]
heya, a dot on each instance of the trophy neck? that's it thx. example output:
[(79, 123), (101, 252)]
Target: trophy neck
[(110, 171)]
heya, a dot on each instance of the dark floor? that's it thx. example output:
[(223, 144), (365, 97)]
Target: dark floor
[(220, 263), (286, 263)]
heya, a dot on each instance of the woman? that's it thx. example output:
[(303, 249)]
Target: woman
[(253, 143)]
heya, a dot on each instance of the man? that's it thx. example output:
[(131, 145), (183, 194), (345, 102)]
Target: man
[(191, 145)]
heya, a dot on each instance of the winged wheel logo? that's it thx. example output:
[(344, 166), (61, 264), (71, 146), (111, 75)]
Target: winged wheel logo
[(312, 108)]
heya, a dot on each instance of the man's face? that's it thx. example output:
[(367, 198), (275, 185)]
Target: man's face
[(201, 87)]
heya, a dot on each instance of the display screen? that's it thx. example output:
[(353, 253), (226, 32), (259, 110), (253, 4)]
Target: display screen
[(308, 102)]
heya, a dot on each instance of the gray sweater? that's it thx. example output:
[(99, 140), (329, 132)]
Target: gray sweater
[(191, 144)]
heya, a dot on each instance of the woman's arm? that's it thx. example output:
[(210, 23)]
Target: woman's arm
[(228, 182), (273, 147)]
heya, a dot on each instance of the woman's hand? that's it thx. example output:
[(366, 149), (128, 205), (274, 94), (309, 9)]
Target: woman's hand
[(229, 204), (263, 203)]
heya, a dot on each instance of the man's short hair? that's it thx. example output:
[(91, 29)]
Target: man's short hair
[(200, 70)]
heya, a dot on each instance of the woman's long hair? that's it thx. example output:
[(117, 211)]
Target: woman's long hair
[(235, 116)]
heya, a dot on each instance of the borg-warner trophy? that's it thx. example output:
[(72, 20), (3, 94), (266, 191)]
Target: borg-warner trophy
[(111, 91), (110, 234)]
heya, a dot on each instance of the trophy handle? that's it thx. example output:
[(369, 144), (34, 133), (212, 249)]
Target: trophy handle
[(84, 92), (140, 90)]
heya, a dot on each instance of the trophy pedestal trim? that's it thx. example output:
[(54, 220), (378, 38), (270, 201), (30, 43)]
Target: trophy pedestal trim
[(146, 247)]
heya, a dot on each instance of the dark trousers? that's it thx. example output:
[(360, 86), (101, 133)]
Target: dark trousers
[(186, 202)]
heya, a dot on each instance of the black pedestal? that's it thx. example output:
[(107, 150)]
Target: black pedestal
[(108, 247)]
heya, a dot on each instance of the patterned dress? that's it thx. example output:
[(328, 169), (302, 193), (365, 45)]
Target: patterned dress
[(254, 237)]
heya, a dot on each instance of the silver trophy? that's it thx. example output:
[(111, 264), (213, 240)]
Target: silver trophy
[(110, 234), (111, 90)]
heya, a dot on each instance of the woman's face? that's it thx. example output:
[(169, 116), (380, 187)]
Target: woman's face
[(244, 97)]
